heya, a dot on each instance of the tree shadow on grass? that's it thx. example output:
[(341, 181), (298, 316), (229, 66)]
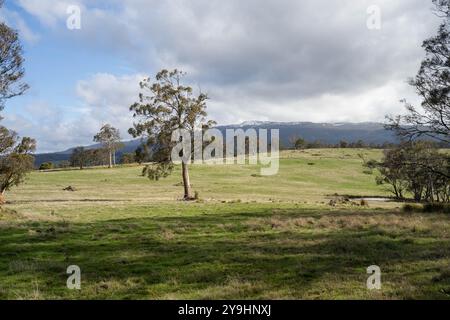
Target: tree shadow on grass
[(15, 202), (196, 256)]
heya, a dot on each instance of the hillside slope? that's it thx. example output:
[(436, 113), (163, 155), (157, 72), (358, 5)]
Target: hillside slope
[(330, 133)]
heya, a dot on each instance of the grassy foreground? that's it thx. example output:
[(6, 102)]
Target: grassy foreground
[(249, 237)]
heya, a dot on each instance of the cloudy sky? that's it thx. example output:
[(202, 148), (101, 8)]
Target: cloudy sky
[(278, 60)]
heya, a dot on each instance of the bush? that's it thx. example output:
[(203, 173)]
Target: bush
[(436, 208), (418, 168), (46, 166), (427, 208), (410, 208)]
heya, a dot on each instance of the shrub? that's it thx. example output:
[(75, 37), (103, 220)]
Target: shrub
[(410, 208), (46, 166), (427, 208), (436, 207)]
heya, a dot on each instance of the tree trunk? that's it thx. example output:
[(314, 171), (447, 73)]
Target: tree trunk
[(114, 157), (2, 198), (186, 181), (110, 159)]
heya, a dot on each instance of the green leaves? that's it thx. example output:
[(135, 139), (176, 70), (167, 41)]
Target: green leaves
[(166, 106), (163, 107), (108, 135), (15, 160), (417, 168), (11, 65), (158, 170)]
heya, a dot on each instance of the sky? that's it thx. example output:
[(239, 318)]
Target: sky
[(266, 60)]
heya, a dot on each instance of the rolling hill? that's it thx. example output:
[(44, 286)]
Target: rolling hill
[(332, 133)]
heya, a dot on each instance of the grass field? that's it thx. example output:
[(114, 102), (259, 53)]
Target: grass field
[(248, 237)]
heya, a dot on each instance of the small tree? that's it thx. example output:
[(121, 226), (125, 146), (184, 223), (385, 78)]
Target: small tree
[(46, 166), (391, 171), (79, 158), (16, 161), (142, 154), (109, 137), (343, 144), (292, 139), (415, 167), (7, 140), (300, 144), (128, 158), (164, 106)]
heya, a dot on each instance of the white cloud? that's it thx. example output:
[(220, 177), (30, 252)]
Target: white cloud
[(103, 98), (14, 20), (47, 124), (49, 12), (280, 60), (107, 98)]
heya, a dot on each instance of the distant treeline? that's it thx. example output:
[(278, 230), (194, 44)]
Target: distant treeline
[(82, 158), (297, 143)]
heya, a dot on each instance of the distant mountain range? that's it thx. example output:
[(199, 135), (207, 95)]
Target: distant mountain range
[(55, 157), (331, 133)]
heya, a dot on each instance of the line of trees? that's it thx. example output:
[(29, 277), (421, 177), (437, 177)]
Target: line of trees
[(141, 155), (298, 143), (109, 138), (82, 157)]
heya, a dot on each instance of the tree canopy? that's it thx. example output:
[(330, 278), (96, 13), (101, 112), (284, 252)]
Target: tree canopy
[(110, 138), (11, 64), (432, 83), (16, 159)]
